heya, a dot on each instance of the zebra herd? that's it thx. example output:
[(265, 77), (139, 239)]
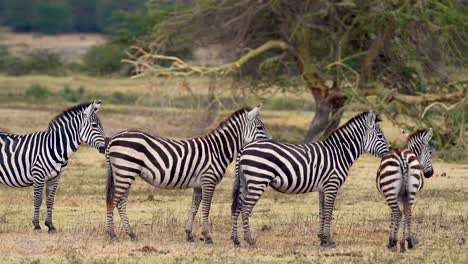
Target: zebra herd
[(200, 163)]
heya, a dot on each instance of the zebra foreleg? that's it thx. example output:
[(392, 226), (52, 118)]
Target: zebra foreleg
[(196, 199), (38, 184), (207, 195), (329, 203), (321, 208), (51, 188)]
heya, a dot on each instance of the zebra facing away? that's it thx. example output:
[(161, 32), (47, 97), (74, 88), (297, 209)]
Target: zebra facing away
[(40, 158), (300, 168), (399, 178), (197, 163)]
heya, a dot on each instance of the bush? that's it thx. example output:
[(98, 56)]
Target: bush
[(72, 95), (37, 61), (104, 59), (43, 61), (38, 91)]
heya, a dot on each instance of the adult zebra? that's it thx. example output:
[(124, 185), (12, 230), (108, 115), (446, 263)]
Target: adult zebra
[(197, 163), (399, 178), (300, 168), (40, 158)]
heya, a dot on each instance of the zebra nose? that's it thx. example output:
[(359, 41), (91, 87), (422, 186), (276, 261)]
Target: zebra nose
[(428, 174), (102, 149)]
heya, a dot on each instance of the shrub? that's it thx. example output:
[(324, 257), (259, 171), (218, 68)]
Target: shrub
[(38, 91), (72, 95), (104, 59), (43, 61)]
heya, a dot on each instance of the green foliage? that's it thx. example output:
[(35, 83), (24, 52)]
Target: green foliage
[(37, 61), (38, 91), (71, 94), (104, 59), (53, 16), (56, 16)]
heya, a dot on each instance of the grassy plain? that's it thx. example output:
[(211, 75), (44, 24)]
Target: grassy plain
[(284, 225)]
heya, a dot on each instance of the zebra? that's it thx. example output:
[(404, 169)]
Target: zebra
[(40, 158), (197, 163), (300, 168), (399, 178)]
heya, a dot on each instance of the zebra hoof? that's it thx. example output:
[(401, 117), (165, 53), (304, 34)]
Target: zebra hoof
[(209, 241), (133, 237), (328, 244), (252, 245), (37, 230), (402, 247), (190, 239), (235, 241), (112, 236), (52, 230)]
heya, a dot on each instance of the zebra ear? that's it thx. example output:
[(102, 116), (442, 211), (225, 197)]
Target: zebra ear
[(371, 119), (254, 112), (96, 105), (404, 133), (87, 112), (428, 135)]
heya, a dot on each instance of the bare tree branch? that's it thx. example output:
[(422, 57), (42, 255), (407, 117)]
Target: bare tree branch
[(145, 61)]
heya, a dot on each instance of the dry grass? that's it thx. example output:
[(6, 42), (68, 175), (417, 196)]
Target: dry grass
[(70, 46), (288, 222)]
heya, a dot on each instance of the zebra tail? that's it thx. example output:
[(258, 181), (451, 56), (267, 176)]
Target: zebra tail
[(110, 180), (404, 194), (236, 188)]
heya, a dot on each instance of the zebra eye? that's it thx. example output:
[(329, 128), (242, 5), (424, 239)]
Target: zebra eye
[(94, 125)]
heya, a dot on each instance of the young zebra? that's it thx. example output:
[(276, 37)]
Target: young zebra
[(197, 163), (300, 168), (399, 178), (40, 158)]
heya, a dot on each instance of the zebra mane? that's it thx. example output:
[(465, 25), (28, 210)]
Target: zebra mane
[(70, 111), (416, 133), (353, 119), (236, 113)]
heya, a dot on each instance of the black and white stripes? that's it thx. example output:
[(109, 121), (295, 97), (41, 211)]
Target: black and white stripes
[(197, 163), (40, 158), (293, 169), (400, 177)]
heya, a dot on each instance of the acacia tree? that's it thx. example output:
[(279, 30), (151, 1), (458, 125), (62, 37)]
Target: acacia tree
[(394, 51)]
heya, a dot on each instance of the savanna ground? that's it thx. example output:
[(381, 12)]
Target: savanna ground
[(284, 225)]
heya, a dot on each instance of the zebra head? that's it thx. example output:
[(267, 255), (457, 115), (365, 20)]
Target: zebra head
[(254, 128), (92, 131), (419, 143), (375, 142)]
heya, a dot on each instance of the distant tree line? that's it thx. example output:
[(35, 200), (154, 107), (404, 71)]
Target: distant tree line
[(58, 16)]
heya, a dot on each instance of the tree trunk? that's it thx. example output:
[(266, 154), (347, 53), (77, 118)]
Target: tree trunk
[(328, 100), (328, 111)]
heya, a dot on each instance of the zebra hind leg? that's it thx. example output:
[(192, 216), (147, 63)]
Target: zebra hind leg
[(122, 208), (38, 189), (409, 236), (196, 199), (110, 222), (234, 217), (51, 188), (395, 218)]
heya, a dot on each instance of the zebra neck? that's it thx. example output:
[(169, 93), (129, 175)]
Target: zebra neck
[(64, 140), (413, 146), (224, 145), (348, 143)]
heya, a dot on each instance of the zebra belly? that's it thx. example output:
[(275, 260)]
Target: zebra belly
[(167, 179)]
